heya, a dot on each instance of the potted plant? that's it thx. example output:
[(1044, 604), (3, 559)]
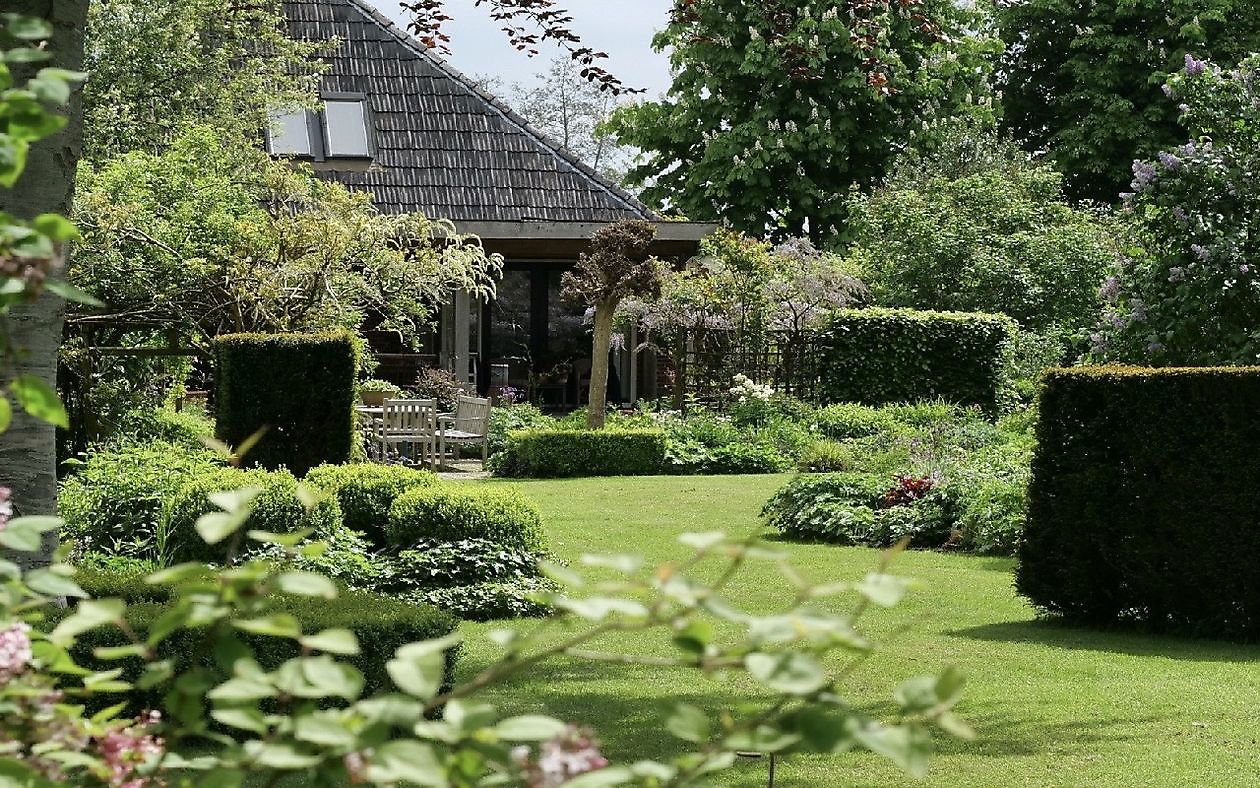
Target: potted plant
[(373, 393)]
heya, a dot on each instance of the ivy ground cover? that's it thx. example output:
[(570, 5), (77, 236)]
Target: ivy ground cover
[(1051, 705)]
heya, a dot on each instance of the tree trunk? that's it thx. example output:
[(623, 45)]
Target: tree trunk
[(680, 372), (598, 403), (28, 450)]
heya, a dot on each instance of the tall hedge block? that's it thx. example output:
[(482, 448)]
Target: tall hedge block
[(878, 356), (299, 386), (1144, 505)]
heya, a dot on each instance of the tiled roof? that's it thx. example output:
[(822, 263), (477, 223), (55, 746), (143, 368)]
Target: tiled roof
[(444, 147)]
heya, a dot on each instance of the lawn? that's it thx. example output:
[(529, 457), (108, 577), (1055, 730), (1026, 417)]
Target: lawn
[(1052, 705)]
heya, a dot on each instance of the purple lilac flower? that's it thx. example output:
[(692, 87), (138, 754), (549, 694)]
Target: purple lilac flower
[(1154, 346), (1168, 90), (1137, 310), (1180, 214), (1176, 274), (1169, 161), (15, 650), (1110, 289), (1201, 252), (1144, 174), (1244, 269), (1194, 67)]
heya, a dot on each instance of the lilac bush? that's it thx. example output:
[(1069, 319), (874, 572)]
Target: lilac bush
[(1188, 292)]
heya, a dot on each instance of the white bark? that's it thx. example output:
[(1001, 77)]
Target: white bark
[(28, 453)]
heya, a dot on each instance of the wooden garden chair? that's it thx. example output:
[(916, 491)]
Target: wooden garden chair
[(410, 421), (469, 425)]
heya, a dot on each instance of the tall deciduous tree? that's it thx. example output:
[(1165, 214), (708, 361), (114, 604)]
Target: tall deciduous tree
[(617, 267), (27, 449), (158, 66), (571, 110), (1083, 80), (777, 110)]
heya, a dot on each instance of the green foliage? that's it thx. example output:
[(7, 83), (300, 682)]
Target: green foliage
[(493, 600), (505, 419), (298, 387), (158, 67), (982, 237), (450, 513), (366, 491), (210, 236), (1140, 508), (276, 509), (556, 453), (1083, 81), (875, 356), (187, 428), (775, 114), (380, 625), (826, 457), (835, 506), (113, 502), (1189, 292), (430, 564), (845, 420)]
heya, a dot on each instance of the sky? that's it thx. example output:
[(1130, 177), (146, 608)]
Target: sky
[(622, 28)]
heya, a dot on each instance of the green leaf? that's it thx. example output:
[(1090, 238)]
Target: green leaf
[(326, 728), (602, 778), (333, 641), (176, 574), (71, 293), (243, 688), (89, 614), (703, 541), (242, 719), (281, 756), (599, 608), (883, 590), (111, 653), (279, 625), (417, 674), (290, 539), (27, 28), (39, 400), (695, 637), (789, 672), (908, 746), (307, 584), (530, 727), (6, 413), (43, 581), (406, 760), (688, 723), (221, 778)]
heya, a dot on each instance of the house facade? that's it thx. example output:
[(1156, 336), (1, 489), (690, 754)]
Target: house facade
[(399, 122)]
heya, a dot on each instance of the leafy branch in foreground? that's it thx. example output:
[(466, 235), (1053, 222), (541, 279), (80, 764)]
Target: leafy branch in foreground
[(308, 716)]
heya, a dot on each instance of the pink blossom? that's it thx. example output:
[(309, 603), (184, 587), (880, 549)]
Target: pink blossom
[(126, 749), (15, 650), (569, 755)]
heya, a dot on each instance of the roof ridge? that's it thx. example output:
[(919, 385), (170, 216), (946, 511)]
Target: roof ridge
[(544, 139)]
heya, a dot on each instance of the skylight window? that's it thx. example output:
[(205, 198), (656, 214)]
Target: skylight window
[(339, 130), (290, 134), (345, 129)]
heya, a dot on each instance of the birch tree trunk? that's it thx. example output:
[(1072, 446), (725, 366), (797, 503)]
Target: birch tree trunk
[(598, 400), (28, 456)]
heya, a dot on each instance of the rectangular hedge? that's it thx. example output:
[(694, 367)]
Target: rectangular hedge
[(1144, 504), (549, 453), (299, 386), (877, 356)]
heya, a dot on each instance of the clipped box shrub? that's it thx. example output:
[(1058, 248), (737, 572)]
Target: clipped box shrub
[(380, 623), (1143, 505), (114, 501), (845, 420), (366, 491), (451, 513), (276, 510), (876, 356), (299, 386), (570, 453)]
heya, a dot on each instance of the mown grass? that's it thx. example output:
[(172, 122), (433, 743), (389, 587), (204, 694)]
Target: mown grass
[(1052, 705)]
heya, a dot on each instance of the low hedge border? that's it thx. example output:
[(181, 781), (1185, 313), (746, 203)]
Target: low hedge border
[(366, 491), (550, 453)]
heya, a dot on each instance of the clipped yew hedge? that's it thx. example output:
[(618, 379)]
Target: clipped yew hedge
[(569, 453), (877, 356), (300, 387), (1143, 505)]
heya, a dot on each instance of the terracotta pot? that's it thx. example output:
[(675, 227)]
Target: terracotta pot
[(375, 398)]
